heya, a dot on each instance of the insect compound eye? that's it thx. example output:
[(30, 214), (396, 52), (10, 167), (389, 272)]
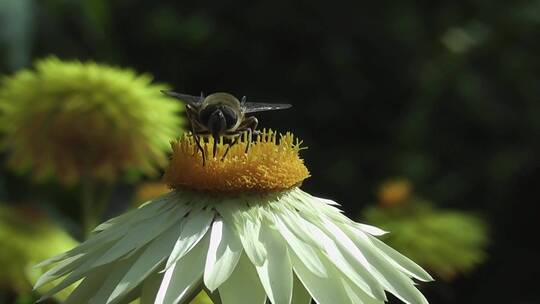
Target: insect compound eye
[(204, 114), (230, 116), (228, 113)]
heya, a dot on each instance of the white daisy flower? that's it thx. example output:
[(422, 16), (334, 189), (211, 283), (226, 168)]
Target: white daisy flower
[(241, 229)]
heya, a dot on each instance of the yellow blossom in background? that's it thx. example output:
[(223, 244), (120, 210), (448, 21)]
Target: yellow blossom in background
[(148, 191), (69, 119)]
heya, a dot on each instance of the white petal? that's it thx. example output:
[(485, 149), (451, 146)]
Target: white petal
[(141, 234), (149, 209), (324, 290), (312, 208), (249, 236), (116, 221), (223, 253), (401, 261), (276, 271), (97, 250), (295, 224), (392, 279), (357, 295), (352, 261), (246, 222), (66, 266), (183, 277), (347, 262), (328, 201), (150, 259), (88, 287), (116, 273), (371, 229), (243, 286), (194, 227), (88, 247), (301, 248), (79, 273), (300, 294)]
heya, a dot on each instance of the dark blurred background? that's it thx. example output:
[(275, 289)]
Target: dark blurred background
[(442, 93)]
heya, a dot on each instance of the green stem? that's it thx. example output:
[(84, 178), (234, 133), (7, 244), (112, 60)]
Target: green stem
[(89, 214), (103, 201), (94, 200)]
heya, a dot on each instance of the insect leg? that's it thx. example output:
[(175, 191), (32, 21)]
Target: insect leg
[(199, 147), (214, 149), (229, 146), (191, 114), (251, 132), (250, 124), (249, 138), (196, 129)]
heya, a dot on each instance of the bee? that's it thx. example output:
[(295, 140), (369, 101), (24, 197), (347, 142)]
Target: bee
[(222, 114)]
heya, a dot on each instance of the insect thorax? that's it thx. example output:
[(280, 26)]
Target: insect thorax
[(226, 103)]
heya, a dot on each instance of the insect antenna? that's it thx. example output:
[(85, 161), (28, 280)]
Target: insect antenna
[(249, 138)]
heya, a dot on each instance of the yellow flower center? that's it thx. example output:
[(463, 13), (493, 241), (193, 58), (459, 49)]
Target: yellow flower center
[(272, 163)]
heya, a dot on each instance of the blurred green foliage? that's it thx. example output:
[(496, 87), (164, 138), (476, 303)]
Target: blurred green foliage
[(28, 237), (445, 242)]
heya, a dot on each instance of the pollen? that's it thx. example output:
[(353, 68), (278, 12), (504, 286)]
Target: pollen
[(270, 163)]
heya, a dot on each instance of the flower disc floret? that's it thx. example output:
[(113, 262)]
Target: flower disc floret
[(272, 163)]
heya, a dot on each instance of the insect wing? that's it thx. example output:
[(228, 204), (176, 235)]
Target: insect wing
[(252, 107), (192, 100)]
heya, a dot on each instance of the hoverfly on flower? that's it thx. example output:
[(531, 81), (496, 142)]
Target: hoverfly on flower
[(222, 115)]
